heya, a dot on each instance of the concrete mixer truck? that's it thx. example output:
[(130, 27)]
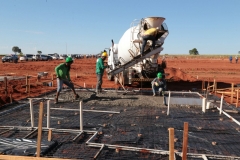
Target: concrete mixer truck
[(126, 64)]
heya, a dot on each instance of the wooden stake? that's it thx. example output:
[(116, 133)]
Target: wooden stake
[(214, 83), (237, 98), (10, 98), (5, 86), (49, 135), (26, 84), (171, 143), (52, 80), (215, 87), (39, 139), (232, 93), (185, 141)]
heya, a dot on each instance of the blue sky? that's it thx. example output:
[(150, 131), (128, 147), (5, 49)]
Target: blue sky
[(87, 26)]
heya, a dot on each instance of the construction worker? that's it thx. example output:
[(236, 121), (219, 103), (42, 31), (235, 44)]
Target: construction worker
[(63, 77), (100, 70), (230, 59), (149, 34), (158, 84)]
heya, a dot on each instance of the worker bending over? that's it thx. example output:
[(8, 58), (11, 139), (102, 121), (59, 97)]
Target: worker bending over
[(150, 34), (63, 77)]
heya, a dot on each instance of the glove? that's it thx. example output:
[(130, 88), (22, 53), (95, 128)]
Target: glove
[(156, 84)]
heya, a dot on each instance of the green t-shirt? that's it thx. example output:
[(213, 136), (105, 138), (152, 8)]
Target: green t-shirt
[(62, 71), (100, 66)]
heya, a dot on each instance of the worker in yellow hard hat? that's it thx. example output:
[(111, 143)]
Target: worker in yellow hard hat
[(149, 34), (100, 70)]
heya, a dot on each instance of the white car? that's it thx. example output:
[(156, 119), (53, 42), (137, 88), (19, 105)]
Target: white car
[(61, 58), (23, 58)]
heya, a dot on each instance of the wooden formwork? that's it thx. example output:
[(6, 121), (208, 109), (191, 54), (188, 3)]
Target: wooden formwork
[(233, 92)]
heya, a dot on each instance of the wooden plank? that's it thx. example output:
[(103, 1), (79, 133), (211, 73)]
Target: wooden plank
[(185, 141), (8, 157), (232, 92), (39, 139), (226, 92), (49, 135), (237, 98), (5, 86), (171, 143)]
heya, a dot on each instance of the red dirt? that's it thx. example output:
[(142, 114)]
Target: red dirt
[(186, 72)]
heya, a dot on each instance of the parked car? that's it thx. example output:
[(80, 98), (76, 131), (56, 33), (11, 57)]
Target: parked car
[(61, 58), (10, 58), (49, 58), (29, 57), (54, 56), (44, 57), (37, 57), (23, 58)]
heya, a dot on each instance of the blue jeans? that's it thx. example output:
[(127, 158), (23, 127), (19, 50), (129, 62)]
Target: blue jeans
[(60, 82), (156, 88), (145, 39)]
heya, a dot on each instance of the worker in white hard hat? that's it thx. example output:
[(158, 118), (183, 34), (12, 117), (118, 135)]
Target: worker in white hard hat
[(149, 34), (100, 70)]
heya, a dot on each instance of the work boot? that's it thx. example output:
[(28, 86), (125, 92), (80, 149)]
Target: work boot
[(76, 96), (55, 101), (154, 94), (160, 93)]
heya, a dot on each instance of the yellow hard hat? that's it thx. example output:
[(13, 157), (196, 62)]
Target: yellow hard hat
[(104, 54)]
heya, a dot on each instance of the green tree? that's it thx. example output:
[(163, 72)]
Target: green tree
[(194, 51), (15, 49), (20, 54), (39, 52)]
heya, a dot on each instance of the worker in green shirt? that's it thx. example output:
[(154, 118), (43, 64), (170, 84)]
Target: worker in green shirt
[(100, 70), (63, 77)]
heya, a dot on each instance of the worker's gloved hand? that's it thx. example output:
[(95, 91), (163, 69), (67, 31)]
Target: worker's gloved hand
[(163, 93)]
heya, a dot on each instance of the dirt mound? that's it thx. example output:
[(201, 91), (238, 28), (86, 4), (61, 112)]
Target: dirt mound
[(178, 75)]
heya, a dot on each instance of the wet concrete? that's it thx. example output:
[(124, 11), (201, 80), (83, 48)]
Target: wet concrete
[(139, 114)]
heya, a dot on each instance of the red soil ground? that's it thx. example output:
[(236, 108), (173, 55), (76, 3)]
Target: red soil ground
[(186, 72)]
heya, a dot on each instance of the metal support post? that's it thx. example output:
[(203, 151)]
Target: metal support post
[(221, 105), (81, 116), (169, 95), (31, 112), (204, 105), (48, 114)]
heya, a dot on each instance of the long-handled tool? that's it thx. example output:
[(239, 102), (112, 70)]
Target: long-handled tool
[(122, 86), (82, 87)]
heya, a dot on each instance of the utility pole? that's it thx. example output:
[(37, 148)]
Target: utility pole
[(66, 48)]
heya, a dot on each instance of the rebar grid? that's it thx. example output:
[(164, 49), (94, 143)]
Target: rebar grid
[(140, 126)]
